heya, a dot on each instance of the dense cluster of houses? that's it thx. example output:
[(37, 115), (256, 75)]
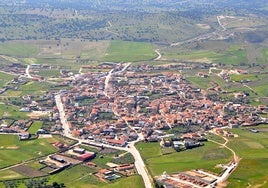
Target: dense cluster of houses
[(137, 101)]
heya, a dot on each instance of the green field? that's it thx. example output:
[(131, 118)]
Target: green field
[(197, 55), (205, 83), (121, 51), (252, 148), (248, 77), (31, 88), (12, 111), (205, 157), (234, 55), (49, 73), (81, 177), (18, 49), (4, 78), (9, 174), (264, 57), (13, 151), (36, 125)]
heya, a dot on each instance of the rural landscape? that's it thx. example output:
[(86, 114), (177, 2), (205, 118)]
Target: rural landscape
[(133, 94)]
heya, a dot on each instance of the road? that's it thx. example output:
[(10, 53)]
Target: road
[(159, 55), (64, 122), (106, 83), (109, 31), (219, 22), (108, 77), (228, 168), (27, 71)]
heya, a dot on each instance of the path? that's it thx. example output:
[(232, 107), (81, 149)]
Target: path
[(159, 55), (27, 71), (109, 31), (249, 88), (229, 168), (219, 22)]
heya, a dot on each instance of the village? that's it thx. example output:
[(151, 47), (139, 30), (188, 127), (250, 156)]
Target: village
[(122, 106)]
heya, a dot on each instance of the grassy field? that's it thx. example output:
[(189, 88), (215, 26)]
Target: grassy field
[(13, 151), (4, 78), (12, 111), (205, 157), (205, 83), (36, 125), (264, 58), (31, 88), (18, 49), (197, 55), (77, 176), (49, 73), (248, 77), (81, 177), (9, 174), (200, 82), (233, 55), (252, 148), (120, 51)]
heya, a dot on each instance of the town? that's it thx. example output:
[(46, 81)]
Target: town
[(120, 105)]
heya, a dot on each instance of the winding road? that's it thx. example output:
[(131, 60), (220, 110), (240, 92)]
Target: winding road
[(228, 168), (159, 55)]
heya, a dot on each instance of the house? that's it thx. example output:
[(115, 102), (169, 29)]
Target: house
[(86, 156), (124, 167), (24, 136), (114, 142), (79, 150)]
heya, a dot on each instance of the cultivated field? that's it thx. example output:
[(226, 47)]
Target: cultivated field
[(120, 51), (14, 151), (205, 157), (252, 148)]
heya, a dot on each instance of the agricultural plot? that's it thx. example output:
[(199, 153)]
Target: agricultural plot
[(18, 49), (9, 175), (12, 111), (120, 51), (36, 125), (4, 78), (205, 157), (14, 151), (82, 176), (200, 56), (31, 88), (232, 55), (252, 148), (246, 77)]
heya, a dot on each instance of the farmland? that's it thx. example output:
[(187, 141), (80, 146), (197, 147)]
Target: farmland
[(5, 78), (35, 126), (11, 111), (14, 151), (205, 157), (252, 148), (129, 51)]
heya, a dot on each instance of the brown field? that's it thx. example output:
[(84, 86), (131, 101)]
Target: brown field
[(28, 171)]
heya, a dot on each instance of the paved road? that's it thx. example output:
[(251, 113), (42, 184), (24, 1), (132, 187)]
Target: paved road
[(159, 55), (64, 122), (27, 71)]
